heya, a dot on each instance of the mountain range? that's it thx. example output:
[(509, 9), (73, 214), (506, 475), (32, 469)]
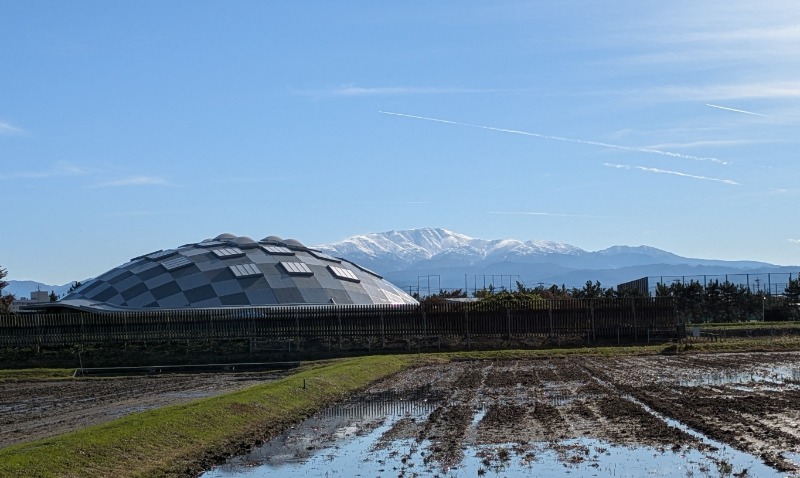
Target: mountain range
[(413, 259), (429, 259)]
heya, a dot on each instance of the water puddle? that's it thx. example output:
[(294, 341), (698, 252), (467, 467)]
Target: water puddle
[(782, 375), (352, 440)]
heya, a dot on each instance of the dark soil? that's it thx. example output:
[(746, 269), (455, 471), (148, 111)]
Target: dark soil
[(747, 401), (30, 410)]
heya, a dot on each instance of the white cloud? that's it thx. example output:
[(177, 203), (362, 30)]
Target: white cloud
[(706, 143), (796, 241), (8, 129), (676, 173), (733, 91), (134, 181), (58, 170)]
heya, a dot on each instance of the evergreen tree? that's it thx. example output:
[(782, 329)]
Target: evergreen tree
[(7, 299), (792, 291)]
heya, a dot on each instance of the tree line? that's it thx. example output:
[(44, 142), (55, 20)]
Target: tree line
[(695, 303)]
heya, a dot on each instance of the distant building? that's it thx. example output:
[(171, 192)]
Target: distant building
[(37, 297)]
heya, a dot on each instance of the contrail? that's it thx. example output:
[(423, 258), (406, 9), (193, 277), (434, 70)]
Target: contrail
[(735, 110), (676, 173), (560, 138)]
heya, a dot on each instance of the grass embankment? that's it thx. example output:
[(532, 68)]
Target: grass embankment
[(170, 441), (28, 374)]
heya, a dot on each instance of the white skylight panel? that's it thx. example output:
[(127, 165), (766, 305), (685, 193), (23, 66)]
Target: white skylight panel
[(278, 250), (227, 252), (210, 244), (296, 268), (323, 256), (176, 263), (158, 255), (245, 270), (343, 274)]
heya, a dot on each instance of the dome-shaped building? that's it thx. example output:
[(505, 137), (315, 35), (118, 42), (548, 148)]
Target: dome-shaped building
[(233, 271)]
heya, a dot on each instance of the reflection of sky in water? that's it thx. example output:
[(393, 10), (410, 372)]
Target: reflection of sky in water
[(774, 374), (344, 443)]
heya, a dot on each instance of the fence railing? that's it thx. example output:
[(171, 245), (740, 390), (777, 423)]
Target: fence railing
[(593, 319)]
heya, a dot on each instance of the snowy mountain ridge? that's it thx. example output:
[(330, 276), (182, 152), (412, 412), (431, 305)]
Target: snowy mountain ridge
[(405, 256), (425, 244)]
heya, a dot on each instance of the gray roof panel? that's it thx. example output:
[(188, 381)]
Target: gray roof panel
[(200, 275)]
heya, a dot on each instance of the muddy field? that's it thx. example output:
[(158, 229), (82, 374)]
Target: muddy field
[(497, 415), (31, 410), (732, 415), (749, 402)]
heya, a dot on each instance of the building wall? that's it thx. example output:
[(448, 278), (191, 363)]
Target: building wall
[(37, 297)]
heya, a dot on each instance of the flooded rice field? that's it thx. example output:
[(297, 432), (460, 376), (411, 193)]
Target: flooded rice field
[(733, 415)]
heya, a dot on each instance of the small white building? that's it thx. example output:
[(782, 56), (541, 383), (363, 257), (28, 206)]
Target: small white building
[(37, 297)]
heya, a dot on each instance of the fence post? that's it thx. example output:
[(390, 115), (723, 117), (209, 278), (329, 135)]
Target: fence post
[(296, 331), (38, 333), (466, 326), (508, 322), (550, 313), (635, 325), (591, 312), (383, 333), (339, 331)]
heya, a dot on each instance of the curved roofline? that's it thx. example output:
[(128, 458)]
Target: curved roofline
[(103, 308)]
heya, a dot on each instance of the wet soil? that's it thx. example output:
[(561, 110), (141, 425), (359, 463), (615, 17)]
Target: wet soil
[(31, 410), (744, 401), (749, 402)]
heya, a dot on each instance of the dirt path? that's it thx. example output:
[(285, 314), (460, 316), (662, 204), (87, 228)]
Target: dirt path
[(30, 410)]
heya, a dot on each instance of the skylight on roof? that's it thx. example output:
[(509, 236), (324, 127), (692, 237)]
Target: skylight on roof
[(278, 250), (210, 244), (344, 274), (155, 256), (296, 268), (176, 263), (245, 270), (227, 252)]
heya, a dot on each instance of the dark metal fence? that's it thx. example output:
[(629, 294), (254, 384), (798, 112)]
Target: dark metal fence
[(594, 319)]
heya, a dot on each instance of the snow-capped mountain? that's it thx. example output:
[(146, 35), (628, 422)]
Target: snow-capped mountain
[(397, 250), (404, 256)]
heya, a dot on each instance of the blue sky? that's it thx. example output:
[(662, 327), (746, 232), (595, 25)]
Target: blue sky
[(127, 127)]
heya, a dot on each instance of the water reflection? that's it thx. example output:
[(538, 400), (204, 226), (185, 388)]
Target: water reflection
[(783, 375), (352, 440)]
